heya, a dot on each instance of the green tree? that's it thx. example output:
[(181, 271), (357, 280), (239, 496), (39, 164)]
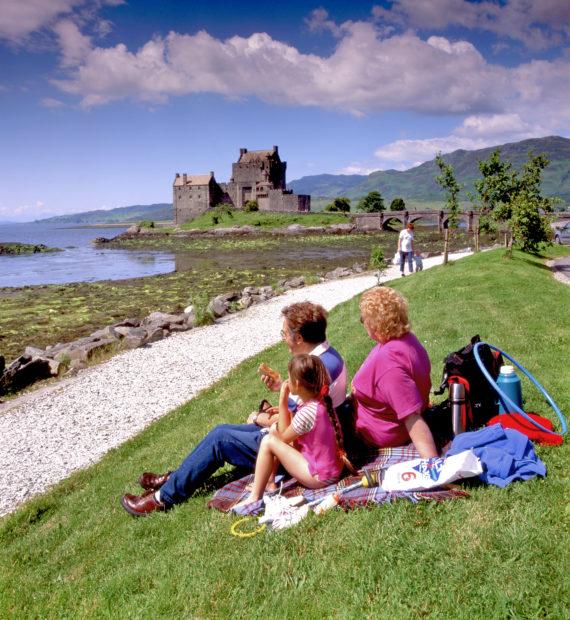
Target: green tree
[(449, 184), (340, 204), (371, 203), (522, 213), (498, 185), (398, 204), (378, 262), (251, 206)]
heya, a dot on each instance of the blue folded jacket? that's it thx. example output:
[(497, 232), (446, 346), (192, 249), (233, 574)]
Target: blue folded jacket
[(505, 454)]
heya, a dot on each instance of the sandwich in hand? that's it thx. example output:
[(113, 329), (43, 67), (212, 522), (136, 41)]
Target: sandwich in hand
[(264, 369)]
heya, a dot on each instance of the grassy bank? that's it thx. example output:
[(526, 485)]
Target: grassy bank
[(42, 315), (220, 218), (499, 554)]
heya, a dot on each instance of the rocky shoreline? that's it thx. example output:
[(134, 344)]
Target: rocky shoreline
[(68, 358)]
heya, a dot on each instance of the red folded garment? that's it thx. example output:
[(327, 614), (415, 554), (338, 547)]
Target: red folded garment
[(518, 423)]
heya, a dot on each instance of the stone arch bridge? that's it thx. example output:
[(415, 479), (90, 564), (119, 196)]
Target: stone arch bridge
[(383, 219)]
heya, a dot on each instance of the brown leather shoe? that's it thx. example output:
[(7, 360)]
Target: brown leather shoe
[(153, 482), (141, 505)]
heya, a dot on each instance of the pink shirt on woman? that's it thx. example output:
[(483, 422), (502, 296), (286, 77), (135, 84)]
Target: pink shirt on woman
[(392, 383), (317, 441)]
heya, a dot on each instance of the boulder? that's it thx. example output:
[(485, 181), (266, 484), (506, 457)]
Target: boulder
[(105, 334), (133, 230), (250, 290), (218, 307), (266, 292), (34, 352), (190, 319), (294, 229), (297, 282), (135, 332), (24, 371), (164, 320), (339, 272), (132, 342), (340, 228), (180, 328), (245, 302), (83, 350), (155, 335), (127, 323)]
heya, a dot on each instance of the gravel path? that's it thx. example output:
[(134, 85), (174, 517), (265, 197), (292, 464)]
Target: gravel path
[(561, 269), (48, 434)]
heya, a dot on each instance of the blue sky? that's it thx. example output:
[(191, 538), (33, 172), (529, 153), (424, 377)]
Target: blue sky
[(103, 101)]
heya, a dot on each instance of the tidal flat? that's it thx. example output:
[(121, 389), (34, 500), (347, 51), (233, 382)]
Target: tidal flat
[(47, 314)]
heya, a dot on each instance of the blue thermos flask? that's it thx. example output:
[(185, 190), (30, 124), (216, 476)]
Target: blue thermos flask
[(510, 384)]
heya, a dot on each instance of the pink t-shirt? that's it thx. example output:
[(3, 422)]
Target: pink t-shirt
[(317, 441), (392, 383)]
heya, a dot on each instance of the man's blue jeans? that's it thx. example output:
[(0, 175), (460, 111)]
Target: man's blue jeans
[(409, 257), (236, 444)]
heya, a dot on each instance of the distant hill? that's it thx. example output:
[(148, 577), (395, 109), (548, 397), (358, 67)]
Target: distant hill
[(135, 213), (418, 184)]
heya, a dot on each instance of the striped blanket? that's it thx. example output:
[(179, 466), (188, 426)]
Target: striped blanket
[(225, 498)]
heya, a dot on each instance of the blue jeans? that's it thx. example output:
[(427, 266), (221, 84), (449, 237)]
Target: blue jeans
[(409, 256), (236, 444)]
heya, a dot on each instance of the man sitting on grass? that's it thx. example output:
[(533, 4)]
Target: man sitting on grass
[(304, 331)]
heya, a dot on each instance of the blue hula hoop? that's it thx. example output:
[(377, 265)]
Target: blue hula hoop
[(508, 401)]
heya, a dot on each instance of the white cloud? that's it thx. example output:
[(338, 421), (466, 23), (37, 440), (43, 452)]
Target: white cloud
[(318, 21), (364, 74), (476, 132), (21, 18), (28, 211), (538, 24), (18, 18), (75, 46), (356, 168), (50, 102)]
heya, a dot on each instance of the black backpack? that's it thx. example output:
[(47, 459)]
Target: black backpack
[(480, 397)]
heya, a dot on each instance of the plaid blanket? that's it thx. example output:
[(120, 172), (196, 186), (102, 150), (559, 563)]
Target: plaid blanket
[(225, 498)]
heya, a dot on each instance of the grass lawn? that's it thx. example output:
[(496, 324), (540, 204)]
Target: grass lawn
[(74, 552)]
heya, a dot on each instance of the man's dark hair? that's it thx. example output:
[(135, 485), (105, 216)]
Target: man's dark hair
[(307, 319)]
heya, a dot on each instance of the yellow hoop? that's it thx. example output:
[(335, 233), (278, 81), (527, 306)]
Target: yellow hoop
[(234, 531)]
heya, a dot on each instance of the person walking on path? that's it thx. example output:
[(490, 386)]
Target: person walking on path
[(304, 331), (406, 248)]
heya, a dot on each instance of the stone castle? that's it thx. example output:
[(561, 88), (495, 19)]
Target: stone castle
[(257, 175)]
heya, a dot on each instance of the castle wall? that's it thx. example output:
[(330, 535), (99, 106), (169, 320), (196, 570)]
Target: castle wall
[(258, 175), (190, 201), (279, 200)]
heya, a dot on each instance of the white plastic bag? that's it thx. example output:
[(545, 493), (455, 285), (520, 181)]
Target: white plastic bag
[(423, 474)]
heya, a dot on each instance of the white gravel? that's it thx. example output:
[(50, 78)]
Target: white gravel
[(47, 434)]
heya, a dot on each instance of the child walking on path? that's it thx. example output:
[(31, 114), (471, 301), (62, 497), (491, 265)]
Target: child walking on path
[(309, 445), (419, 261)]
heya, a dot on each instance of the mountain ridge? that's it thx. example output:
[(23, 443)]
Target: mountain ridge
[(418, 183), (158, 211)]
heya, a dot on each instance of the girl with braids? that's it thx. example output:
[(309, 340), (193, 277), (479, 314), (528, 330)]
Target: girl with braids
[(309, 445)]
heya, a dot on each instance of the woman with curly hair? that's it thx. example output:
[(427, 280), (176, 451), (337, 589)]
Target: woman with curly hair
[(391, 388)]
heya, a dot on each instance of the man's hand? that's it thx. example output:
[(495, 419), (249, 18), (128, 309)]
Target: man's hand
[(271, 384)]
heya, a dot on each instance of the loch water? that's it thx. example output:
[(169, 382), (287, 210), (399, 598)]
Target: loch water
[(80, 260)]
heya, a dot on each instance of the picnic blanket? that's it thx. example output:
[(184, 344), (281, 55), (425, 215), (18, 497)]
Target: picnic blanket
[(225, 498)]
